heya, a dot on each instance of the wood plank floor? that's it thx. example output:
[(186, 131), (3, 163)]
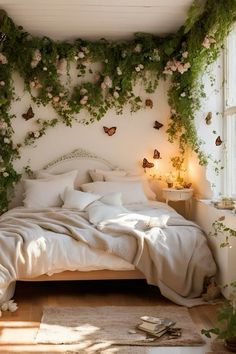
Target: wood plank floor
[(17, 330)]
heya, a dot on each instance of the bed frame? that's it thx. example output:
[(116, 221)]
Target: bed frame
[(83, 160)]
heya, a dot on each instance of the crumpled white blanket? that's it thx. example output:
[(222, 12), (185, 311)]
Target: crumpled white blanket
[(171, 252)]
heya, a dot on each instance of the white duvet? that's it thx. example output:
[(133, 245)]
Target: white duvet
[(171, 252)]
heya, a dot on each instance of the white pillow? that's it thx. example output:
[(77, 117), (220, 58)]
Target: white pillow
[(132, 192), (99, 175), (44, 174), (80, 200), (44, 193), (147, 189), (98, 212)]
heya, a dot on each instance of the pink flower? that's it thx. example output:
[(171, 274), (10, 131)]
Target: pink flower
[(84, 100), (208, 40), (103, 86)]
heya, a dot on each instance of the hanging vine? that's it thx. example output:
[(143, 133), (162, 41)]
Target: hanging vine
[(183, 56)]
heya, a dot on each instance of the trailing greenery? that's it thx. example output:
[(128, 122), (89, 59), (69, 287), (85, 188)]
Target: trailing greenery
[(146, 58), (221, 229)]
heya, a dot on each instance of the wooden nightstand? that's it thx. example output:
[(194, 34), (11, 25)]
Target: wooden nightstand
[(172, 194)]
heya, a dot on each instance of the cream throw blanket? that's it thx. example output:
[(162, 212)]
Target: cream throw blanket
[(176, 258)]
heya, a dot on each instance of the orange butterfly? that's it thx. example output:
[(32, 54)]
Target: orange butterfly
[(186, 185), (147, 164), (156, 154), (157, 125), (149, 103), (29, 114), (109, 131), (218, 141)]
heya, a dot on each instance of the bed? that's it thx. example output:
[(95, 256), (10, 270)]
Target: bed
[(105, 240)]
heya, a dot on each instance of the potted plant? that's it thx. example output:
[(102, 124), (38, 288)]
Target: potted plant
[(225, 328)]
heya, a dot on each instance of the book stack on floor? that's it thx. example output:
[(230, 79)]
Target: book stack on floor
[(157, 327)]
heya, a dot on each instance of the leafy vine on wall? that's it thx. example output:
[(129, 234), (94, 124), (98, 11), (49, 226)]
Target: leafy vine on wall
[(183, 57)]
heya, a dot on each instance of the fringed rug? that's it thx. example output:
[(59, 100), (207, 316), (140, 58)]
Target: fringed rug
[(98, 329)]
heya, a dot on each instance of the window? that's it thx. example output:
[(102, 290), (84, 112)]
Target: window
[(230, 115)]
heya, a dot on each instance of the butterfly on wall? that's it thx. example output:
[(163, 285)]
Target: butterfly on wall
[(218, 141), (109, 131), (147, 164), (149, 103), (186, 185), (208, 118), (157, 125), (29, 114), (3, 37), (156, 154)]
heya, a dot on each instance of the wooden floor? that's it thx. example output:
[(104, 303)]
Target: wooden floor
[(17, 330)]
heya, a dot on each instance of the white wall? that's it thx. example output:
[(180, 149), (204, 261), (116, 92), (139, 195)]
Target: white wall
[(134, 139)]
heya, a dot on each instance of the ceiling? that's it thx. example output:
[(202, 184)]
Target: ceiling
[(95, 19)]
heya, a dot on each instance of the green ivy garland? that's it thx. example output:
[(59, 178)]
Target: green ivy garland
[(183, 56)]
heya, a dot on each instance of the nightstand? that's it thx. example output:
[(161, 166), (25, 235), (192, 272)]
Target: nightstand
[(172, 194)]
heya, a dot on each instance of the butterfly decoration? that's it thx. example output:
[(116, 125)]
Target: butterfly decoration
[(149, 103), (3, 37), (157, 125), (109, 131), (186, 185), (208, 118), (147, 164), (218, 141), (156, 154), (29, 114)]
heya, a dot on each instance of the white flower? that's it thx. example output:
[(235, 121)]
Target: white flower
[(137, 68), (2, 83), (138, 48), (117, 88), (116, 94), (5, 174), (208, 40), (156, 55), (1, 159), (3, 59), (103, 86), (118, 69), (37, 134), (108, 82), (55, 99), (185, 54), (168, 72), (187, 65), (81, 55), (141, 66), (106, 61), (6, 141), (49, 95), (61, 94), (37, 56), (45, 68), (84, 100), (123, 54), (83, 91), (76, 57), (183, 94), (12, 306), (85, 49), (173, 111), (4, 306)]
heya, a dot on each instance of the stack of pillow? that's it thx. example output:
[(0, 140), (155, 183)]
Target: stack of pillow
[(117, 186)]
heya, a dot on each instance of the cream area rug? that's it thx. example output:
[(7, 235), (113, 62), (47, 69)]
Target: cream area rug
[(99, 329)]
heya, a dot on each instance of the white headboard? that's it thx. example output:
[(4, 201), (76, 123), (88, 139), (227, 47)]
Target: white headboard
[(79, 159)]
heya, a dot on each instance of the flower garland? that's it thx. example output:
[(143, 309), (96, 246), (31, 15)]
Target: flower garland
[(183, 56)]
